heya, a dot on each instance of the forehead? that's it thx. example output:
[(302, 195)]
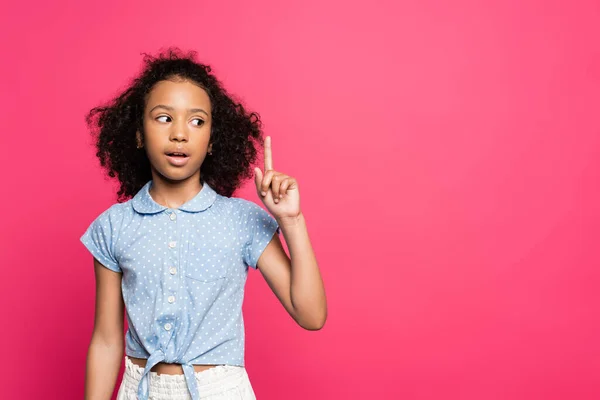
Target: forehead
[(178, 94)]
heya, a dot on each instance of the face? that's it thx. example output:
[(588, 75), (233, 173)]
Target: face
[(177, 125)]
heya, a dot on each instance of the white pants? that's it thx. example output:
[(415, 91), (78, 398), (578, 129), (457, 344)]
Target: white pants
[(223, 382)]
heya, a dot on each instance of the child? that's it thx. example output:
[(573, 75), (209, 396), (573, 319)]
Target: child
[(174, 251)]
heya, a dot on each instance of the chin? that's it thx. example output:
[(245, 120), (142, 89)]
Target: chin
[(175, 176)]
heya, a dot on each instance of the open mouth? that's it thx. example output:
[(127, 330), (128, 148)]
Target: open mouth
[(177, 159)]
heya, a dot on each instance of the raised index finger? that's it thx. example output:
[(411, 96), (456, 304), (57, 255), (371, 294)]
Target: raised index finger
[(268, 154)]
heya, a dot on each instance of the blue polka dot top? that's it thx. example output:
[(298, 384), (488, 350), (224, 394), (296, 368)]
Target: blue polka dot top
[(184, 272)]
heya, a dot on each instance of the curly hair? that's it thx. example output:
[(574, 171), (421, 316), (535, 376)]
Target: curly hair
[(236, 134)]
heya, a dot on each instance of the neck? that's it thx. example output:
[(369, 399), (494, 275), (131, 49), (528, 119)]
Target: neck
[(173, 194)]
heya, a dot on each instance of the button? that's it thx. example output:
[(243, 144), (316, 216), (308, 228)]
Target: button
[(168, 326), (172, 244), (173, 217), (171, 299), (172, 270)]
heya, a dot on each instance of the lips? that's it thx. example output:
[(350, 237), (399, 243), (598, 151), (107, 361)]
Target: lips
[(177, 158)]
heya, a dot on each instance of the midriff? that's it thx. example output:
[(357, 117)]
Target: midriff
[(168, 369)]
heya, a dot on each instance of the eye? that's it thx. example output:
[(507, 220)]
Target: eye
[(200, 121), (162, 116)]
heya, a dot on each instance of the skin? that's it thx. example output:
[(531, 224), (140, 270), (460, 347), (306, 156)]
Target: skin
[(295, 281)]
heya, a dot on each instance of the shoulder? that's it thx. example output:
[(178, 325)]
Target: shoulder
[(242, 208), (117, 210), (238, 203), (113, 215), (245, 212)]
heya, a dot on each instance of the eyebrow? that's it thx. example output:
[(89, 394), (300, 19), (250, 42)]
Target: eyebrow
[(191, 110)]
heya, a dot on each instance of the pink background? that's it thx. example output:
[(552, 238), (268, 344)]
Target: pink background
[(448, 161)]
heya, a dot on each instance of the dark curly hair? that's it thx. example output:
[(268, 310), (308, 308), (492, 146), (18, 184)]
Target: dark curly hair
[(236, 134)]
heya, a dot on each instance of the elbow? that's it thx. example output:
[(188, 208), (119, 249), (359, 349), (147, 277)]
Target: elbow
[(313, 324), (315, 327)]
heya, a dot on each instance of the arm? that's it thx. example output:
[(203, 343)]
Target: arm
[(106, 347), (297, 283)]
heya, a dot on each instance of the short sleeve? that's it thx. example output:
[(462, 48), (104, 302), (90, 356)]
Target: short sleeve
[(98, 239), (258, 227)]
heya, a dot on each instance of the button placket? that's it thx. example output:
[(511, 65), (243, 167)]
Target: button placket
[(173, 262), (173, 244)]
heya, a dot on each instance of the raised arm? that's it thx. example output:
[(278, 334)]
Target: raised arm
[(296, 282), (106, 347)]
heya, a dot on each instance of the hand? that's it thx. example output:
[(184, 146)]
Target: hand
[(278, 191)]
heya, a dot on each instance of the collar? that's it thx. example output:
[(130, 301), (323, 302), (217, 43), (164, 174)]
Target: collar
[(143, 203)]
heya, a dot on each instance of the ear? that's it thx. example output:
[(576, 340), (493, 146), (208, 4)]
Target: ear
[(139, 140), (209, 148)]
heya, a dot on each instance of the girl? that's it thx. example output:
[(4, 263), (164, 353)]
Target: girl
[(174, 251)]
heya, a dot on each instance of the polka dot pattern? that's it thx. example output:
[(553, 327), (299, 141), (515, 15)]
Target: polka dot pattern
[(184, 272)]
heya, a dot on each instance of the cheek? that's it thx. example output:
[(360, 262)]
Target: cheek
[(154, 148), (152, 144), (155, 136), (201, 137)]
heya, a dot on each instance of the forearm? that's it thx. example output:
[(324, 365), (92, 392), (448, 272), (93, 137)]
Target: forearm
[(102, 368), (306, 289)]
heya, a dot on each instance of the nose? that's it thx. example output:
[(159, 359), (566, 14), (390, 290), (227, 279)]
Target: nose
[(179, 133)]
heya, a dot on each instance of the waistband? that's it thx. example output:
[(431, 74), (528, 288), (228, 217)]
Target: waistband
[(210, 381)]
